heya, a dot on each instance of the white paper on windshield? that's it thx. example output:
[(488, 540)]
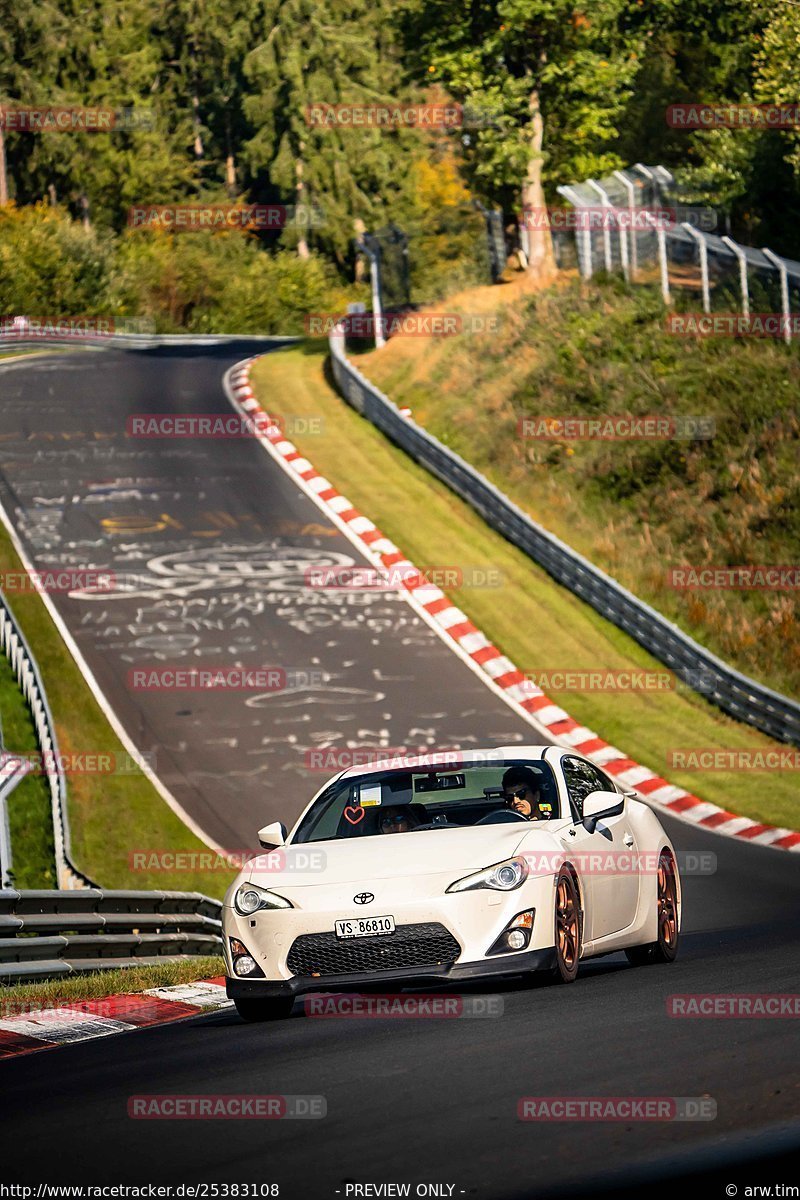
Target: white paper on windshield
[(370, 795)]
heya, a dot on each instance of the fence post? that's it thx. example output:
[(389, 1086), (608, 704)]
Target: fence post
[(648, 174), (701, 241), (524, 240), (741, 258), (631, 194), (784, 275), (661, 238), (371, 247), (606, 231), (583, 237), (495, 237)]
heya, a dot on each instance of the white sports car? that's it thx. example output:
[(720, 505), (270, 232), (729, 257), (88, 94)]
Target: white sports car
[(449, 867)]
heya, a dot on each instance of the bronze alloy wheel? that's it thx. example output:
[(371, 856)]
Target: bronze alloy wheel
[(567, 928), (667, 905), (665, 949)]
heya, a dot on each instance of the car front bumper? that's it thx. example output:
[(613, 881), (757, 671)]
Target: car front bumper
[(296, 949), (498, 966)]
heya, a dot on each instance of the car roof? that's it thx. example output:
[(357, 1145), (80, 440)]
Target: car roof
[(448, 758)]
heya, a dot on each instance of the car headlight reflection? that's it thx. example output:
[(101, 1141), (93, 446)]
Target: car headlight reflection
[(502, 877), (250, 898)]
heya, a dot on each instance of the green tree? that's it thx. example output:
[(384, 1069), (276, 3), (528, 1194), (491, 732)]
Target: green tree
[(108, 55), (207, 43), (555, 78), (30, 36), (316, 52)]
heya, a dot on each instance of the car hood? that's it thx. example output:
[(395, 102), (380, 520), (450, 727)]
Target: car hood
[(400, 855)]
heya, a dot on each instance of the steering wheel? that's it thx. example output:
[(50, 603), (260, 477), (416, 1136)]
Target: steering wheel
[(500, 817)]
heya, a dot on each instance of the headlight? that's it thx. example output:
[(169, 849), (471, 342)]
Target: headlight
[(250, 898), (502, 877)]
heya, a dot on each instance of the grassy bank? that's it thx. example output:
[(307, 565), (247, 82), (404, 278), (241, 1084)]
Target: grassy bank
[(635, 508), (533, 620), (55, 992)]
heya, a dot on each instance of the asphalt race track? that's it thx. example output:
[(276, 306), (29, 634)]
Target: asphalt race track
[(208, 543), (408, 1101)]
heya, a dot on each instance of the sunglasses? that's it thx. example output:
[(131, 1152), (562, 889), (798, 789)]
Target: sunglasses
[(518, 794)]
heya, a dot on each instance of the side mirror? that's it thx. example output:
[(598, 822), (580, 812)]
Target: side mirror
[(598, 805), (272, 836)]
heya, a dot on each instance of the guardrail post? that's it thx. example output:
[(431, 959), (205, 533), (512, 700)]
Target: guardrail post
[(701, 241), (784, 277), (6, 854)]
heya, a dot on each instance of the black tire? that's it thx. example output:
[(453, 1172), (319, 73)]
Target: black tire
[(665, 948), (567, 928), (272, 1009)]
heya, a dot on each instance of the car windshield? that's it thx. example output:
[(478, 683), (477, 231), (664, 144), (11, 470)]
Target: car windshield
[(407, 801)]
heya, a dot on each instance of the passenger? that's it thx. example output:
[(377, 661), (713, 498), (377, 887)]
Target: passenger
[(394, 821)]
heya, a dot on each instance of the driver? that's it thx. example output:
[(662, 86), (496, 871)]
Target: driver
[(522, 794)]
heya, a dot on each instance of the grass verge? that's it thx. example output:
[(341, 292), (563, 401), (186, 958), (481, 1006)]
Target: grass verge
[(29, 815), (55, 992), (533, 620), (111, 815)]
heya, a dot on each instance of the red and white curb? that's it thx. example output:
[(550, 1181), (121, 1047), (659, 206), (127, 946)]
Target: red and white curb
[(497, 671), (29, 1030)]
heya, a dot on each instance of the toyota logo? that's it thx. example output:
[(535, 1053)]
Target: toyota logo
[(364, 898)]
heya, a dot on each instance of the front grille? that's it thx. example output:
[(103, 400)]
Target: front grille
[(426, 945)]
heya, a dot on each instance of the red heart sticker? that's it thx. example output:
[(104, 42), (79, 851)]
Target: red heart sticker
[(353, 814)]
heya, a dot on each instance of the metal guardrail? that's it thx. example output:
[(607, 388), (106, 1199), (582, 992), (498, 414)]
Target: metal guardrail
[(51, 934), (134, 341), (24, 665), (729, 689)]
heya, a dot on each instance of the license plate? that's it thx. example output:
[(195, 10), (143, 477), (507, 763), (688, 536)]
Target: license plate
[(365, 927)]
